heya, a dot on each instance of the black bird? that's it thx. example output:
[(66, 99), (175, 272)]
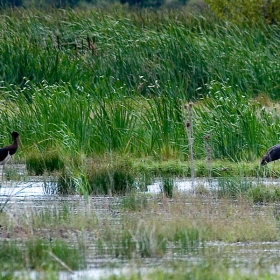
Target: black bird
[(271, 155), (7, 151)]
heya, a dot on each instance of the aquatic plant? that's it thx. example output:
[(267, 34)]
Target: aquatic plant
[(188, 239), (242, 134), (167, 187), (115, 179), (38, 254), (44, 162), (134, 202), (233, 186), (190, 133), (77, 90), (208, 269), (127, 98), (263, 194)]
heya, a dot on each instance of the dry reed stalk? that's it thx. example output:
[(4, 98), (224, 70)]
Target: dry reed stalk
[(208, 152), (189, 131)]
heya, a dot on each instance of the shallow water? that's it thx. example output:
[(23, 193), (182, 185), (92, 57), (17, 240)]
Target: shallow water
[(187, 185), (45, 189), (244, 255)]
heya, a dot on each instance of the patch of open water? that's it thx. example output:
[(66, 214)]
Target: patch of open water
[(44, 189)]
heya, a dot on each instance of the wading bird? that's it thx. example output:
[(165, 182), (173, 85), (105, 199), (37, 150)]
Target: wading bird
[(7, 151), (271, 155)]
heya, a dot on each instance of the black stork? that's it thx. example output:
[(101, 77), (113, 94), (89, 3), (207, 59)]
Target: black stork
[(271, 155), (7, 151)]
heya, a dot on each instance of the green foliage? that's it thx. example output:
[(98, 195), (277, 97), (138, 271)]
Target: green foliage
[(101, 81), (46, 162), (233, 187), (71, 182), (167, 187), (144, 3), (165, 129), (116, 180), (188, 240), (239, 127), (264, 194), (196, 50), (209, 269), (134, 202), (101, 179), (11, 3), (249, 11)]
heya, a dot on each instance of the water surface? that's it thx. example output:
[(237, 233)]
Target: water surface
[(245, 256)]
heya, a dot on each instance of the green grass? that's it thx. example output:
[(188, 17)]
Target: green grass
[(127, 96), (208, 270), (91, 89), (264, 194), (139, 229), (167, 187), (38, 254), (233, 187)]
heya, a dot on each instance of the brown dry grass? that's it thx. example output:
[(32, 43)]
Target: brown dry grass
[(215, 219)]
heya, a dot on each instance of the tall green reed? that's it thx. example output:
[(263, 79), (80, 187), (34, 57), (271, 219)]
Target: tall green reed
[(178, 50), (68, 121), (163, 120), (238, 126)]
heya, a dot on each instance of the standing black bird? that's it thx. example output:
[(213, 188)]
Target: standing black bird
[(271, 155), (8, 151)]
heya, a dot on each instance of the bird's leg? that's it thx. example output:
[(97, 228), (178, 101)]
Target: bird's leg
[(3, 173), (273, 170)]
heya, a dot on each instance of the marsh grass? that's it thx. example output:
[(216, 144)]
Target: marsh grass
[(264, 194), (188, 240), (167, 187), (241, 135), (185, 54), (112, 181), (44, 162), (133, 227), (134, 202), (12, 174), (127, 98), (138, 127), (209, 269), (88, 176), (142, 242), (73, 104), (39, 254), (233, 187)]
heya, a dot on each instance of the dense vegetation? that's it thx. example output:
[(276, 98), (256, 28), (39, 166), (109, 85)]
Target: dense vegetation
[(100, 96), (248, 11), (114, 81)]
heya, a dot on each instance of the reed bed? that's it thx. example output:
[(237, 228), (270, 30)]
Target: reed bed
[(62, 119), (162, 47), (113, 82)]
